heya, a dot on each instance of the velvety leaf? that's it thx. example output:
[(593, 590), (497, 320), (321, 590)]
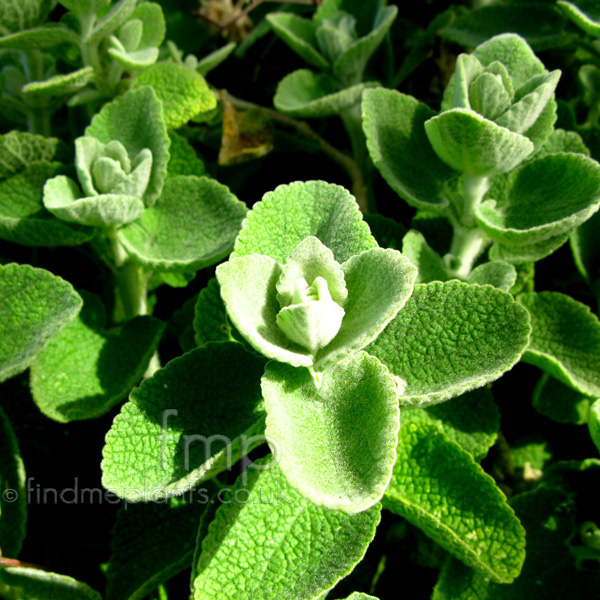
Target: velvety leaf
[(428, 262), (193, 225), (299, 210), (530, 450), (580, 18), (23, 218), (299, 34), (471, 420), (388, 232), (438, 487), (13, 482), (183, 92), (210, 320), (116, 16), (16, 15), (35, 305), (86, 370), (83, 7), (154, 26), (19, 150), (183, 160), (334, 443), (452, 337), (594, 423), (500, 274), (360, 596), (39, 38), (567, 186), (193, 419), (565, 340), (394, 128), (139, 59), (36, 584), (297, 550), (563, 141), (64, 199), (585, 245), (305, 94), (136, 120), (60, 85), (527, 253), (559, 402)]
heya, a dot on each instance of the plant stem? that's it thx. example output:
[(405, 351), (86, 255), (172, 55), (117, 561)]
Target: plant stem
[(38, 112), (474, 189), (467, 247)]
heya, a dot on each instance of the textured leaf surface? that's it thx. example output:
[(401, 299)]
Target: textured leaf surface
[(16, 15), (190, 421), (428, 262), (34, 306), (183, 92), (46, 36), (450, 338), (85, 370), (585, 245), (299, 210), (19, 150), (335, 444), (183, 160), (269, 542), (559, 402), (563, 141), (13, 509), (500, 274), (528, 253), (565, 340), (36, 584), (388, 232), (136, 120), (439, 488), (394, 127), (210, 316), (60, 85), (471, 420), (192, 225), (594, 423)]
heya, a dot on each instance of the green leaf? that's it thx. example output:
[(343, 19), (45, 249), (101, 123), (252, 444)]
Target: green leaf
[(153, 542), (109, 364), (39, 38), (567, 186), (388, 232), (115, 17), (267, 541), (580, 18), (559, 402), (585, 245), (184, 160), (35, 306), (471, 144), (428, 262), (23, 218), (594, 423), (299, 210), (59, 85), (360, 596), (193, 225), (13, 482), (83, 7), (530, 450), (183, 92), (498, 273), (471, 420), (334, 443), (306, 94), (16, 15), (538, 22), (210, 320), (18, 150), (299, 35), (528, 253), (136, 121), (64, 199), (452, 337), (193, 419), (214, 59), (438, 487), (565, 340), (394, 127), (563, 141), (35, 584)]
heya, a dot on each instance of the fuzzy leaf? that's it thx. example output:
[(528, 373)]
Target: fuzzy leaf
[(335, 444), (184, 160), (528, 253), (60, 85), (565, 340), (183, 92), (500, 274), (580, 18), (16, 15), (13, 509), (39, 38), (210, 320), (559, 402), (299, 210), (18, 150), (450, 338), (585, 245), (394, 127), (85, 370), (388, 232), (214, 59), (298, 550), (563, 141), (35, 305), (116, 16), (429, 263), (193, 419), (193, 225), (471, 420), (136, 121), (305, 94), (594, 423), (438, 487)]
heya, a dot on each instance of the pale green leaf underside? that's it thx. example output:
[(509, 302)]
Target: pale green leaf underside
[(438, 487), (46, 36), (60, 85), (286, 548), (19, 150), (85, 370), (452, 337), (394, 128), (34, 306), (335, 444), (193, 419), (565, 340), (428, 262), (559, 402), (291, 213), (193, 225), (527, 253), (500, 274), (594, 423)]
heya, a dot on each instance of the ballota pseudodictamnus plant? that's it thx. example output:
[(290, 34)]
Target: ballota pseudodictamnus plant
[(333, 380)]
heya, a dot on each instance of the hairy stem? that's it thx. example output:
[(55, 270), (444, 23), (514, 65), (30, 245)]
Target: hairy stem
[(38, 112)]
